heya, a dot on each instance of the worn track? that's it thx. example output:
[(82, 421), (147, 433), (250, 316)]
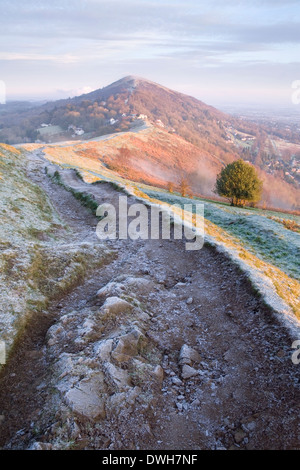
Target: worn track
[(247, 392)]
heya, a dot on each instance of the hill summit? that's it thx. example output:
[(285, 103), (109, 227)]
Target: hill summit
[(114, 108)]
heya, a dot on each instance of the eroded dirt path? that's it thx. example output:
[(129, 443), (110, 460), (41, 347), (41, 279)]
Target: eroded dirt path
[(239, 390)]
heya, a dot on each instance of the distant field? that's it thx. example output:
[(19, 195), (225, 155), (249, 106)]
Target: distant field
[(50, 130), (280, 146)]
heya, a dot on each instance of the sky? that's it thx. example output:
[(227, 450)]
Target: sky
[(219, 51)]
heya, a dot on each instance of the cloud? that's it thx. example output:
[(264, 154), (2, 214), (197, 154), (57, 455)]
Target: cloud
[(101, 20), (75, 91), (15, 56), (269, 34), (67, 44)]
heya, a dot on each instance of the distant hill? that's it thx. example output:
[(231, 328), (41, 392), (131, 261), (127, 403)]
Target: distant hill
[(115, 108)]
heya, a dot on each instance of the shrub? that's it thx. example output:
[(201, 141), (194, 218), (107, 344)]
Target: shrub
[(239, 183)]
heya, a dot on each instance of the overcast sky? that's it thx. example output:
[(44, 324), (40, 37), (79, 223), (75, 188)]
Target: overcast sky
[(220, 51)]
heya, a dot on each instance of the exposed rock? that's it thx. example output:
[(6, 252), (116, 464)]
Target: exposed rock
[(188, 355), (74, 431), (179, 406), (103, 349), (196, 402), (142, 316), (53, 334), (86, 399), (127, 346), (190, 300), (146, 374), (251, 426), (87, 330), (118, 377), (40, 446), (188, 372), (158, 372), (118, 401), (115, 306), (130, 283), (111, 289), (176, 381), (139, 285), (239, 436), (69, 368)]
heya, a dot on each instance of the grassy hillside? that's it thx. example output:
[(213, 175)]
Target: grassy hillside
[(260, 232), (153, 156)]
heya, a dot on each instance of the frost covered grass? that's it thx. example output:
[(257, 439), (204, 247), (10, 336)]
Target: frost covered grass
[(260, 235), (37, 262)]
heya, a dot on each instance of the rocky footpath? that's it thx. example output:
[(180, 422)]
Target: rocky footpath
[(105, 373), (156, 348)]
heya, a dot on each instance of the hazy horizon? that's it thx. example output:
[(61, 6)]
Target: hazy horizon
[(229, 106)]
